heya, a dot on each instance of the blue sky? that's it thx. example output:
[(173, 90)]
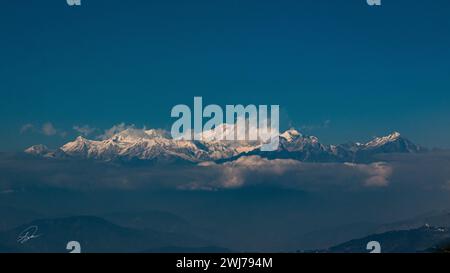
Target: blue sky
[(361, 70)]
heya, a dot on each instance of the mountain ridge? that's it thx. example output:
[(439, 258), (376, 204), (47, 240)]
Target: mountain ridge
[(157, 145)]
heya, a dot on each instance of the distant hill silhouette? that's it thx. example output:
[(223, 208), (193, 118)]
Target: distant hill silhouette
[(422, 239), (95, 235)]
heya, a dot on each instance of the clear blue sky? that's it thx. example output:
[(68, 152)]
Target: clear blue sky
[(367, 70)]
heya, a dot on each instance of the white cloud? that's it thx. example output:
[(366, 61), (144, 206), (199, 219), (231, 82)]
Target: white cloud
[(295, 174), (27, 128), (312, 127), (114, 130), (48, 129), (378, 173), (84, 130)]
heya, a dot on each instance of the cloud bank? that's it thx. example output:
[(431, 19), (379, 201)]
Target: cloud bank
[(414, 172), (290, 173), (244, 172)]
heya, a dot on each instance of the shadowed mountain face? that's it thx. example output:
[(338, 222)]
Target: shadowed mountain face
[(93, 233), (157, 146), (423, 239), (324, 238)]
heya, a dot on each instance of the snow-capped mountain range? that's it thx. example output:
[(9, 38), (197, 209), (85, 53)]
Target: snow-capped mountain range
[(157, 146)]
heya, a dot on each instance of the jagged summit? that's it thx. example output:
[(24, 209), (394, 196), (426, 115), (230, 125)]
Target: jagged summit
[(291, 134), (392, 143), (379, 141)]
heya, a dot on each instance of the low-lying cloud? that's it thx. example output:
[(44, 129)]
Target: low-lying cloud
[(290, 173), (244, 172), (429, 171)]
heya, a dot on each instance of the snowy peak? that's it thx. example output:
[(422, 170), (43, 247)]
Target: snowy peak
[(393, 143), (157, 145), (38, 150), (79, 145), (395, 135), (380, 141), (290, 135), (130, 135), (293, 141)]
